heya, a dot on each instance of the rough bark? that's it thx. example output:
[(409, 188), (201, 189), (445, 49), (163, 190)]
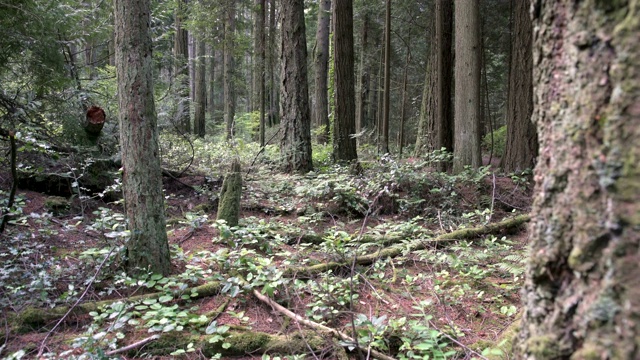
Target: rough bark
[(321, 65), (229, 68), (384, 143), (467, 86), (211, 82), (261, 16), (147, 248), (200, 98), (344, 144), (181, 71), (230, 195), (582, 286), (295, 117), (521, 145), (442, 118)]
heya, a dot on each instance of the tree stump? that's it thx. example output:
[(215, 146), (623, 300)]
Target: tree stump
[(229, 206), (94, 122)]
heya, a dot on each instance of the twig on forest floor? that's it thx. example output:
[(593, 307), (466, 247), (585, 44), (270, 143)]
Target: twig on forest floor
[(134, 345)]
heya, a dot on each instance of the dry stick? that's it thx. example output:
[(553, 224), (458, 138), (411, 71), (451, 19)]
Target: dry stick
[(44, 341), (134, 345), (493, 197), (312, 324)]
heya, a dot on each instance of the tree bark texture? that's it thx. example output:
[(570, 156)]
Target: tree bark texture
[(582, 286), (521, 145), (467, 86), (344, 144), (200, 98), (147, 248), (387, 81), (262, 58), (229, 71), (295, 116), (321, 65), (441, 120), (181, 70)]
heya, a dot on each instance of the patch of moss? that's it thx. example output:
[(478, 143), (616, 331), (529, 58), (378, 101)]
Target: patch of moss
[(589, 351), (57, 205), (543, 347)]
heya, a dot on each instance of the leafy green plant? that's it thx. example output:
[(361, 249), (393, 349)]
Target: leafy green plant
[(330, 296)]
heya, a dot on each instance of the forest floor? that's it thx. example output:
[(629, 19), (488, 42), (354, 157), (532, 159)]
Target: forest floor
[(450, 298)]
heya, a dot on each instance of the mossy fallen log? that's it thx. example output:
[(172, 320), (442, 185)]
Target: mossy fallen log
[(419, 244), (239, 343), (33, 318)]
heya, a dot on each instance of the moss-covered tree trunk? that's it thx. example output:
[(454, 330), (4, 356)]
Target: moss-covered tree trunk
[(147, 248), (582, 289), (230, 194), (321, 65)]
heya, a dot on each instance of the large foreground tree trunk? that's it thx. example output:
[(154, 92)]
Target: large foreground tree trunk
[(582, 289), (147, 248)]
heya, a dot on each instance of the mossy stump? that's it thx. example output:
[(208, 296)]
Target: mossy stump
[(229, 207)]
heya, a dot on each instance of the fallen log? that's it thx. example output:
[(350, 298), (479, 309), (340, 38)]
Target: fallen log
[(418, 244)]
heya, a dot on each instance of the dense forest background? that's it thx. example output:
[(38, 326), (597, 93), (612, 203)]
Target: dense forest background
[(318, 179)]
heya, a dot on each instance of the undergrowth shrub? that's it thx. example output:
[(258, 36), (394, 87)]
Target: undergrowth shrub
[(499, 141)]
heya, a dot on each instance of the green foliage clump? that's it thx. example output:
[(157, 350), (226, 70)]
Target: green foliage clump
[(499, 141)]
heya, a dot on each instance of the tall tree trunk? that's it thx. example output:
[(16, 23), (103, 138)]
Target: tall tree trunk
[(403, 104), (344, 144), (387, 81), (363, 78), (442, 120), (582, 286), (261, 20), (199, 103), (271, 60), (211, 82), (181, 70), (148, 247), (192, 66), (295, 123), (321, 65), (229, 68), (522, 141), (467, 86)]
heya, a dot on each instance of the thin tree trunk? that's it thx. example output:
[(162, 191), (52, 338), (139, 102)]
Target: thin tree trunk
[(321, 65), (387, 81), (404, 99), (363, 90), (229, 69), (181, 71), (199, 102), (262, 15)]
